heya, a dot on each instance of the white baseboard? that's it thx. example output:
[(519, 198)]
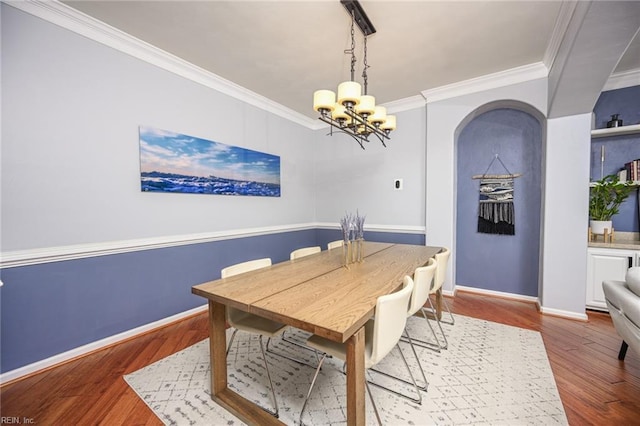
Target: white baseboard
[(504, 295), (451, 293), (564, 314), (522, 298), (94, 346)]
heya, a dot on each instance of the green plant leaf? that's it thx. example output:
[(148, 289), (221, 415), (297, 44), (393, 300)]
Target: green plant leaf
[(606, 196)]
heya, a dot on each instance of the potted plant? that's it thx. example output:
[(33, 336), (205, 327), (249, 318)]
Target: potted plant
[(605, 198)]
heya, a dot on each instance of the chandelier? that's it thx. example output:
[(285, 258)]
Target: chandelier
[(355, 112)]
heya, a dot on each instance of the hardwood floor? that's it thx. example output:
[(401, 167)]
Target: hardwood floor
[(594, 386)]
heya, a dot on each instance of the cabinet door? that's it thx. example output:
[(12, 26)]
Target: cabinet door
[(605, 265)]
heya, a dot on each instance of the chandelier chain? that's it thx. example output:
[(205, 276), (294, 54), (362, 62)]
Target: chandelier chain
[(352, 51), (365, 77)]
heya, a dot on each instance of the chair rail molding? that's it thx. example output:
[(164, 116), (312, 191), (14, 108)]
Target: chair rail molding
[(405, 229), (12, 259), (17, 258)]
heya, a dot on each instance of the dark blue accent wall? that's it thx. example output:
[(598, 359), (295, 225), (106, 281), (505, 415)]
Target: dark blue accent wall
[(51, 308), (504, 263), (618, 149)]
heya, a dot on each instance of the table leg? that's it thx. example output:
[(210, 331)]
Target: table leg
[(355, 379), (217, 347), (245, 410), (439, 297)]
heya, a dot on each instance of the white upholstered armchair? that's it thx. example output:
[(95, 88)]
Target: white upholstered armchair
[(623, 301)]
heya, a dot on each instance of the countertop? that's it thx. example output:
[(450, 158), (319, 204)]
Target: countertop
[(621, 240)]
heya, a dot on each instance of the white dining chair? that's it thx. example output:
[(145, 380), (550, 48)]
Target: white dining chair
[(297, 254), (382, 334), (438, 280), (443, 260), (422, 279), (305, 251), (335, 244), (250, 323)]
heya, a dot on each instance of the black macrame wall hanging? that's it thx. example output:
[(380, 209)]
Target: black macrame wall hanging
[(496, 214)]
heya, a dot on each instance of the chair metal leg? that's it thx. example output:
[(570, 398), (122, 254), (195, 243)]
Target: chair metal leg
[(293, 342), (271, 351), (424, 378), (375, 409), (273, 392), (444, 336), (313, 382), (446, 305), (623, 350), (266, 366), (423, 343), (417, 400), (233, 335)]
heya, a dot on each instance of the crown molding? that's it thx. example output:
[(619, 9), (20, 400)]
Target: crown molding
[(622, 80), (563, 20), (487, 82), (71, 19), (405, 104)]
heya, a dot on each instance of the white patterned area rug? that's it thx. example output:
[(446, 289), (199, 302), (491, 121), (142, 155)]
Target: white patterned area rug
[(491, 374)]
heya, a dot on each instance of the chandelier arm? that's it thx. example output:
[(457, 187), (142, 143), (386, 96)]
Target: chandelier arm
[(346, 130), (368, 126), (357, 139), (381, 139)]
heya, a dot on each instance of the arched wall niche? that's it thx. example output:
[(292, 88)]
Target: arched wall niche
[(515, 131)]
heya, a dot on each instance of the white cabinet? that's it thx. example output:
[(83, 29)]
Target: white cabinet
[(606, 264)]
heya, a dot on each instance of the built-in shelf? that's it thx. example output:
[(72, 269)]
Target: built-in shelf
[(635, 184), (615, 131)]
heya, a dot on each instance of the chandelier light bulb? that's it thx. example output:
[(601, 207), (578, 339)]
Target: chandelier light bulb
[(339, 113), (389, 124), (379, 115), (349, 92), (367, 105), (324, 100)]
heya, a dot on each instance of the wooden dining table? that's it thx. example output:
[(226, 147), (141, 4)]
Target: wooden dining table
[(318, 294)]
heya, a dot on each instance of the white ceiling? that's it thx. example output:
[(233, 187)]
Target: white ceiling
[(284, 50)]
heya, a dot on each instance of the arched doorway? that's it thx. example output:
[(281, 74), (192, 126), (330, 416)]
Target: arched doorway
[(495, 262)]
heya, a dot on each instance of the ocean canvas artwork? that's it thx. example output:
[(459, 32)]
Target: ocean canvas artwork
[(173, 162)]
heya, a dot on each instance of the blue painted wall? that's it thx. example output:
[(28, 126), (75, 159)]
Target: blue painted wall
[(624, 102), (51, 308), (499, 262), (618, 149), (326, 235)]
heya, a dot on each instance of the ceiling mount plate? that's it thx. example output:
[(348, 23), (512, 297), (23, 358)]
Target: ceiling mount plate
[(361, 18)]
